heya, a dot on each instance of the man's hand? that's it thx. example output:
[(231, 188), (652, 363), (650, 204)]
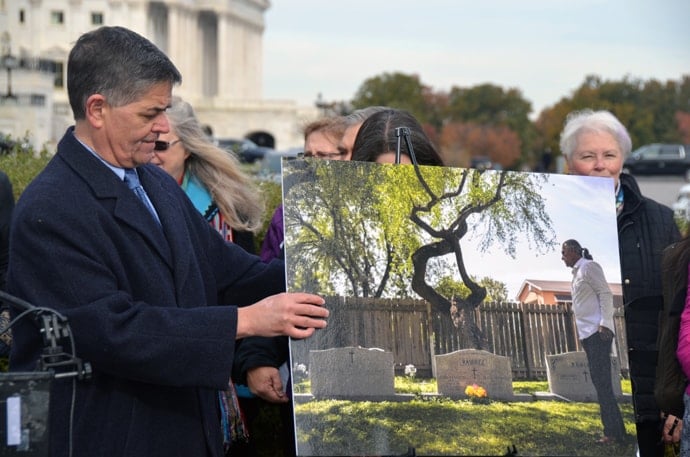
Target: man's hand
[(673, 427), (605, 333), (297, 315), (265, 382)]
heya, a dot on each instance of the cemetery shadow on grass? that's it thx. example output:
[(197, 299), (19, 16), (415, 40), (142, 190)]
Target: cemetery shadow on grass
[(447, 427), (439, 426)]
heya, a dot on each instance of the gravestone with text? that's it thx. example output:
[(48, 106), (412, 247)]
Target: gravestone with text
[(457, 370), (352, 373), (374, 233), (569, 376)]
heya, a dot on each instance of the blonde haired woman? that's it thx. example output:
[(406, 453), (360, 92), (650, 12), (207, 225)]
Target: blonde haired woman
[(230, 201), (211, 176)]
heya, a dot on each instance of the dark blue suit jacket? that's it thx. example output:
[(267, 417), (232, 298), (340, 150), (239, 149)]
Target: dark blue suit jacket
[(141, 303)]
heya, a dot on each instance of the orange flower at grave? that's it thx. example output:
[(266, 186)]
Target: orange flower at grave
[(475, 391)]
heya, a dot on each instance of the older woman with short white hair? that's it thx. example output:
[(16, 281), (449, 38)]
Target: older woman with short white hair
[(595, 143)]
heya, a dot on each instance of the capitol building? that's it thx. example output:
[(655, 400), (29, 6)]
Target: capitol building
[(216, 44)]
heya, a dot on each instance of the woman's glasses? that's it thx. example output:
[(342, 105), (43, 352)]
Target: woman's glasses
[(164, 145)]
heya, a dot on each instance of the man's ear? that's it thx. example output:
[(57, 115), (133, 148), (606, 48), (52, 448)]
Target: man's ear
[(95, 110)]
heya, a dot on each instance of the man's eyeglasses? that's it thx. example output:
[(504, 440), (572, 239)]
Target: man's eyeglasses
[(323, 155), (164, 145)]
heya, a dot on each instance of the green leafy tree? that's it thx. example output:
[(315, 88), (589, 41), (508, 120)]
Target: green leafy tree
[(373, 231), (500, 206), (22, 163), (401, 91), (491, 106), (335, 222), (652, 111)]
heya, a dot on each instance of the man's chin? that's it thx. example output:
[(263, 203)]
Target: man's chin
[(142, 158)]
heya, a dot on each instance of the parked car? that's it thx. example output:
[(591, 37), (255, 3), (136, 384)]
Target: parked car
[(483, 163), (246, 150), (681, 207), (270, 169), (659, 159)]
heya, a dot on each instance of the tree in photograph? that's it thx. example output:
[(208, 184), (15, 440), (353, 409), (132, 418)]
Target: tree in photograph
[(371, 231), (335, 224), (496, 207)]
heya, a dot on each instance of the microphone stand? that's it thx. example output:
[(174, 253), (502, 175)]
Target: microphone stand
[(53, 327), (406, 134)]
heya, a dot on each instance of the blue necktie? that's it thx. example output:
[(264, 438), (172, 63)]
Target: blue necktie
[(132, 181)]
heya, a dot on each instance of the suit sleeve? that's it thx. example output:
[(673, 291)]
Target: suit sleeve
[(6, 207), (259, 352)]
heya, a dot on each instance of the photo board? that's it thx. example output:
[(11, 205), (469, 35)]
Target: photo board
[(451, 330)]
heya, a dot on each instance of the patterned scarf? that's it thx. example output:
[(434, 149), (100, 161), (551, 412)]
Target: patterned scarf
[(201, 198), (233, 423), (619, 198)]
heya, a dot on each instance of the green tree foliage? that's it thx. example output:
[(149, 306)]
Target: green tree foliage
[(496, 291), (337, 220), (652, 111), (488, 104), (272, 194), (497, 112), (400, 91), (22, 164), (378, 227), (493, 208)]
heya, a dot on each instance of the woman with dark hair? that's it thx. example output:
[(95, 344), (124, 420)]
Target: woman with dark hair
[(379, 137), (673, 367)]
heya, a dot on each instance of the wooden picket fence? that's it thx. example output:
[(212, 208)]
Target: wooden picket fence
[(526, 333)]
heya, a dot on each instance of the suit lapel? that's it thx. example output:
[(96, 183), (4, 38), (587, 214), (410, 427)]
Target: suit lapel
[(105, 185), (130, 211), (180, 245)]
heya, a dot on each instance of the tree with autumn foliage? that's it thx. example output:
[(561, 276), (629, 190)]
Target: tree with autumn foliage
[(652, 111), (459, 142), (497, 120)]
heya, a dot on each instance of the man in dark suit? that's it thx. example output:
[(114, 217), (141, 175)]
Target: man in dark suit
[(147, 295), (6, 207)]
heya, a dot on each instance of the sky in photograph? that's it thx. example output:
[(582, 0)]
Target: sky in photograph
[(580, 208), (544, 48)]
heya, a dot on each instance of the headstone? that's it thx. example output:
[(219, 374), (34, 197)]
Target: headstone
[(352, 373), (457, 370), (569, 376)]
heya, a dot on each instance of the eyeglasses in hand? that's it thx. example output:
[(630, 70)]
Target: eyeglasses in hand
[(164, 145)]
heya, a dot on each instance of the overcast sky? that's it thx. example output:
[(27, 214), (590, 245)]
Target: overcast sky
[(544, 48)]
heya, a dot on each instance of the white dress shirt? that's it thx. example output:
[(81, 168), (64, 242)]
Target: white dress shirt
[(592, 298)]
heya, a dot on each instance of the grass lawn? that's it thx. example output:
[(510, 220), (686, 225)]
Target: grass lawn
[(439, 426)]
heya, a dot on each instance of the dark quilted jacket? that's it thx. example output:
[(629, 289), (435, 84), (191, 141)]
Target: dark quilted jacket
[(645, 228)]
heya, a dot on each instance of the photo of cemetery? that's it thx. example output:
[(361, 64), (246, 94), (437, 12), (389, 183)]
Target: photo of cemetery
[(451, 330)]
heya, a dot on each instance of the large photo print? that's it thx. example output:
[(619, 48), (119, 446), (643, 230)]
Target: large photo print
[(459, 320)]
